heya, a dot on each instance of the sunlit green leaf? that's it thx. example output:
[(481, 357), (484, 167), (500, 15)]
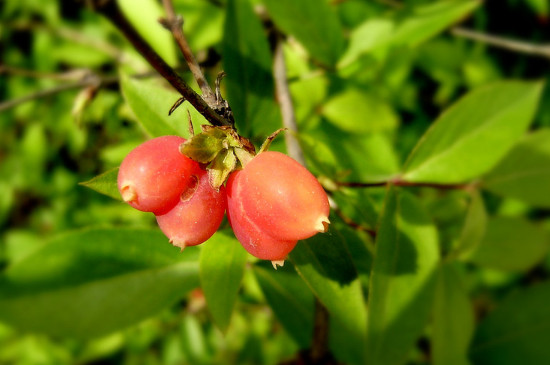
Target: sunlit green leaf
[(290, 299), (222, 263), (357, 111), (427, 20), (517, 331), (247, 62), (402, 279), (453, 319), (524, 173), (144, 15), (474, 227), (474, 134), (512, 244), (150, 102), (370, 157), (325, 264), (367, 37), (92, 282), (106, 183), (313, 23)]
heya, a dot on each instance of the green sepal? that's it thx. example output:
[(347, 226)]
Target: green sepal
[(220, 168), (204, 147), (268, 140)]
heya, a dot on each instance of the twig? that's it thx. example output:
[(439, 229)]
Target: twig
[(90, 80), (111, 11), (357, 226), (71, 35), (285, 102), (319, 347), (540, 50), (399, 182), (174, 23)]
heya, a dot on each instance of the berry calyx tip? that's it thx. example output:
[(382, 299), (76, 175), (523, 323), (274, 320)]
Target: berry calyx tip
[(128, 193), (322, 224), (180, 244), (277, 263)]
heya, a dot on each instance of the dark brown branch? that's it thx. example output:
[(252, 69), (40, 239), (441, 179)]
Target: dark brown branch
[(111, 11), (174, 23)]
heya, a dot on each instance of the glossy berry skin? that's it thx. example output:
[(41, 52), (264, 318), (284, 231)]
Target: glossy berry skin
[(153, 175), (249, 234), (274, 202), (197, 215)]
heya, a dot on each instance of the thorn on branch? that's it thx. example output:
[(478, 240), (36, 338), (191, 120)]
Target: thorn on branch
[(176, 105)]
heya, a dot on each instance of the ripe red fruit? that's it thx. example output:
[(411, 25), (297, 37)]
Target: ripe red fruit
[(153, 175), (274, 202), (197, 215)]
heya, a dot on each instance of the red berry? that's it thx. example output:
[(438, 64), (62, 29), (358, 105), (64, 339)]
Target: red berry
[(153, 175), (197, 215), (250, 235), (275, 201)]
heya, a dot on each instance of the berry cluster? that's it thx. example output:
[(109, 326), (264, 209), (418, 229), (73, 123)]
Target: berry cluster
[(271, 203)]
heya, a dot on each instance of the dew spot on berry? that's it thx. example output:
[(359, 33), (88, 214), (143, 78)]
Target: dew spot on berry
[(191, 188)]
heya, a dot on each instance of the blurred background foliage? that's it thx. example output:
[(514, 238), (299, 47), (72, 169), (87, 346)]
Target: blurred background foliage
[(405, 78)]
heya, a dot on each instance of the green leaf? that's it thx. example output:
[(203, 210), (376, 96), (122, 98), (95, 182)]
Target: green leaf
[(524, 173), (517, 331), (325, 264), (247, 62), (366, 38), (361, 158), (144, 15), (93, 282), (474, 227), (419, 25), (358, 205), (313, 23), (289, 298), (150, 102), (402, 279), (357, 111), (105, 183), (453, 319), (511, 244), (222, 263), (426, 21), (456, 147)]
